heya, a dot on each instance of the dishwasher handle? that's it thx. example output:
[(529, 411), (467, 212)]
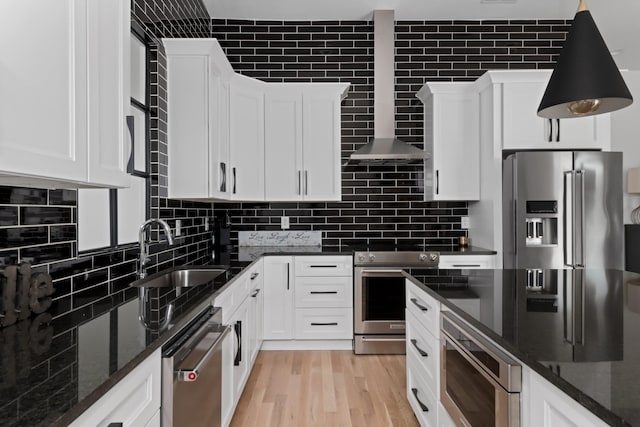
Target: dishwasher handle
[(191, 374)]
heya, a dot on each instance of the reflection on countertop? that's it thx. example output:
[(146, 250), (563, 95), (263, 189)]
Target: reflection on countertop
[(579, 329)]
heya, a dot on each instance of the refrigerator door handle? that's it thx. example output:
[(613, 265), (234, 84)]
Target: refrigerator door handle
[(568, 224), (578, 219)]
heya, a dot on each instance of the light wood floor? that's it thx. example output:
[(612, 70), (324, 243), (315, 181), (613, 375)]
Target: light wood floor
[(325, 388)]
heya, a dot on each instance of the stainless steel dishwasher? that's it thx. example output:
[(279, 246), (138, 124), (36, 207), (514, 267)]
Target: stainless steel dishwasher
[(192, 373)]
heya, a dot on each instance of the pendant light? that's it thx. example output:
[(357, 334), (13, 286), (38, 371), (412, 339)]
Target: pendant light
[(586, 80)]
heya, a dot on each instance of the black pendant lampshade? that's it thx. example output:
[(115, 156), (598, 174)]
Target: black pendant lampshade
[(586, 79)]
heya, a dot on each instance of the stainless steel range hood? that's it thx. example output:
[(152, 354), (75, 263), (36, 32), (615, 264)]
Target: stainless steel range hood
[(385, 147)]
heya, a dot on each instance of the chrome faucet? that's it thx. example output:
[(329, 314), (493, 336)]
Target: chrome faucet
[(144, 245)]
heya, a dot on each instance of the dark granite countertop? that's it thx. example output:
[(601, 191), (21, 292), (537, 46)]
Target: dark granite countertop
[(602, 373)]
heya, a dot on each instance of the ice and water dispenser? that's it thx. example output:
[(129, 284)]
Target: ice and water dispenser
[(541, 222)]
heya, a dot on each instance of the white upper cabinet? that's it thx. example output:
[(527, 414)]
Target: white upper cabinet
[(246, 138), (198, 79), (451, 140), (517, 95), (302, 141), (64, 92)]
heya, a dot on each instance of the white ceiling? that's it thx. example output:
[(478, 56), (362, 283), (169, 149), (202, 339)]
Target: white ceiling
[(618, 21)]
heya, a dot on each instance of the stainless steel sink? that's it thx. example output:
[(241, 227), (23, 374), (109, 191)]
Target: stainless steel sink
[(181, 277)]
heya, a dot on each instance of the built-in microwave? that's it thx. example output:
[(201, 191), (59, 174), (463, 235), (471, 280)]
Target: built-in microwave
[(479, 383)]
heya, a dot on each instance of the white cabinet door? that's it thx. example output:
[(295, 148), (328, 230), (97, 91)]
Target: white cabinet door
[(198, 77), (451, 126), (523, 129), (321, 144), (278, 298), (256, 322), (548, 406), (241, 323), (108, 47), (67, 129), (43, 111), (283, 143), (134, 401), (247, 138)]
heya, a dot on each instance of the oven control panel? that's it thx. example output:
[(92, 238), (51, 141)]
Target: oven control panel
[(398, 258)]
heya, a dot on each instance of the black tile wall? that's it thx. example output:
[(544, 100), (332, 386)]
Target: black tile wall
[(379, 203)]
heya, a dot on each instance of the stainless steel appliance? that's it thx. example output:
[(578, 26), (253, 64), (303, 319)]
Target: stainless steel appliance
[(479, 383), (562, 209), (379, 298), (192, 373)]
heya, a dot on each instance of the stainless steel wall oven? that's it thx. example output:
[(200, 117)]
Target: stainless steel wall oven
[(379, 298), (479, 383)]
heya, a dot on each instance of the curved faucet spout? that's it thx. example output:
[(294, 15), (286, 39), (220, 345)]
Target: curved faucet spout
[(144, 244)]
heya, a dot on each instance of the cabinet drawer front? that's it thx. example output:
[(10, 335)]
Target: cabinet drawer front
[(324, 323), (324, 266), (424, 307), (466, 261), (324, 292), (422, 400), (423, 351)]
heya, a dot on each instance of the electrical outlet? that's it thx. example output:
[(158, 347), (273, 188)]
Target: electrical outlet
[(464, 222), (178, 227), (284, 222), (206, 224)]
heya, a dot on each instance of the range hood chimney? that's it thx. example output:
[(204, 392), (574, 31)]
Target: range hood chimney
[(385, 147)]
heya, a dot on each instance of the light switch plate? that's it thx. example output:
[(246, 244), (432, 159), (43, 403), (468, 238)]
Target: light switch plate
[(178, 227), (464, 222)]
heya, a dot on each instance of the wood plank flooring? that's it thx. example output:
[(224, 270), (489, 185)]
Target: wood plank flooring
[(325, 388)]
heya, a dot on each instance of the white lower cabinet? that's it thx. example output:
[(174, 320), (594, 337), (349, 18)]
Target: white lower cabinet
[(547, 406), (278, 298), (134, 401), (242, 310), (423, 354)]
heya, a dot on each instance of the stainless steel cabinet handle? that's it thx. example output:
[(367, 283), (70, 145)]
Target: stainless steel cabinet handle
[(306, 182), (323, 292), (437, 182), (421, 351), (324, 324), (422, 405), (420, 306), (191, 374)]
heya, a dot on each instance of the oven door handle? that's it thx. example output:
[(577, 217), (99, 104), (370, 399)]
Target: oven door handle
[(191, 374), (369, 273)]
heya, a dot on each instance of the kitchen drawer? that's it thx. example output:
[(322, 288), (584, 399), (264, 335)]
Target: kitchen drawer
[(323, 323), (425, 308), (324, 292), (423, 351), (466, 261), (324, 265), (231, 298), (421, 399)]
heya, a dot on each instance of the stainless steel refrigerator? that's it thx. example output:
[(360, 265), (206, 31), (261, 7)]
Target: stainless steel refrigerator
[(562, 209)]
